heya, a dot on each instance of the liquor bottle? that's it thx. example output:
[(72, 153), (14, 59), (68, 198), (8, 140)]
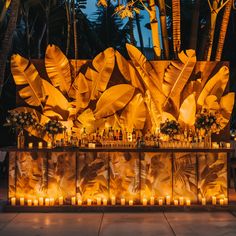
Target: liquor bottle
[(65, 136), (134, 135), (117, 135), (84, 138), (120, 135)]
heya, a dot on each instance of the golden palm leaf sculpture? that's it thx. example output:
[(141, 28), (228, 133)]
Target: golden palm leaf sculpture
[(114, 91)]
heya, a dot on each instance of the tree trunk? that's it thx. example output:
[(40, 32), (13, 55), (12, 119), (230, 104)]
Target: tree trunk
[(7, 39), (140, 36), (223, 30), (176, 21), (75, 37), (40, 41), (154, 28), (131, 31), (194, 27), (67, 5), (162, 9), (4, 11)]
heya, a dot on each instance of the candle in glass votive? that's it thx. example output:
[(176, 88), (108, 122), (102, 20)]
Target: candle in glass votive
[(131, 202), (113, 201), (89, 202), (122, 201), (145, 201), (30, 145), (29, 202), (228, 145), (104, 201), (160, 202), (22, 201), (188, 202), (13, 201), (226, 201), (41, 201), (36, 202), (152, 201), (79, 201), (49, 144), (73, 201), (47, 202), (61, 201), (176, 202), (99, 201), (40, 145), (213, 200), (221, 201), (203, 201), (181, 201), (167, 200), (51, 201)]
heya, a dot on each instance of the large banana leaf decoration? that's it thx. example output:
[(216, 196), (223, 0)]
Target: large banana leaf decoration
[(134, 114), (24, 73), (58, 69), (227, 104), (177, 75), (113, 99)]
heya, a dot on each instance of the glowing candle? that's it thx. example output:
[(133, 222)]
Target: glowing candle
[(221, 201), (213, 200), (13, 201), (160, 202), (181, 201), (152, 201), (30, 145), (41, 201), (40, 144), (104, 201), (49, 145), (36, 202), (188, 202), (122, 201), (145, 201), (79, 201), (226, 201), (131, 202), (203, 201), (22, 201), (61, 201), (51, 201), (227, 145), (167, 200), (89, 202), (176, 202), (47, 201), (29, 202), (113, 201), (99, 201), (73, 201)]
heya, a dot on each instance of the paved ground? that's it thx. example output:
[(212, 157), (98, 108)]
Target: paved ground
[(117, 224)]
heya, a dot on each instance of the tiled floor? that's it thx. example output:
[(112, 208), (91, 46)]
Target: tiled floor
[(117, 224)]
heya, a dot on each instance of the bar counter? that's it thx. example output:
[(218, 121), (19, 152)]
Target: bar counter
[(131, 174)]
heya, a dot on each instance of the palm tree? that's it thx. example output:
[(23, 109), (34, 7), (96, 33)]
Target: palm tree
[(223, 29), (7, 39)]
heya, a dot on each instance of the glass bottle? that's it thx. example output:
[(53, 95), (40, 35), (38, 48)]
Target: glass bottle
[(20, 139)]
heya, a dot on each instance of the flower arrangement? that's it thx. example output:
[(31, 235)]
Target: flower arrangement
[(54, 127), (170, 127), (20, 120), (208, 121)]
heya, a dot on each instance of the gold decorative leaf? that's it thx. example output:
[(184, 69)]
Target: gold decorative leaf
[(167, 115), (129, 72), (177, 75), (227, 104), (104, 64), (55, 100), (58, 68), (187, 111), (87, 120), (134, 114), (24, 73), (211, 103), (148, 75), (113, 99), (215, 86)]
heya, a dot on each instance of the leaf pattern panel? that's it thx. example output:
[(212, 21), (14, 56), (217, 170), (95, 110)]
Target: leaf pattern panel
[(212, 172), (62, 174), (124, 175), (30, 175), (156, 174), (185, 176), (12, 175), (92, 172)]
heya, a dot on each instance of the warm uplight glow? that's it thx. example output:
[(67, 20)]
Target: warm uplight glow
[(226, 201), (104, 201), (36, 202), (73, 201), (41, 201), (176, 202), (152, 201), (13, 201), (145, 201), (131, 202), (49, 145), (167, 200), (51, 201), (89, 202), (203, 201), (99, 201), (213, 200), (40, 145), (181, 201), (79, 202), (188, 202), (47, 202), (113, 201), (30, 145), (61, 201), (122, 201), (221, 201), (22, 201), (160, 202), (29, 202)]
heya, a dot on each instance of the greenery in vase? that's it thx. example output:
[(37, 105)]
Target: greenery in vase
[(54, 127), (170, 127)]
